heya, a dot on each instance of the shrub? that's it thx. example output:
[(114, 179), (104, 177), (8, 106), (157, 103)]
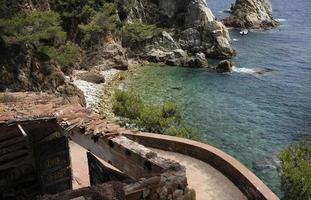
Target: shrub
[(65, 55), (127, 105), (295, 171), (138, 31), (106, 20), (163, 119), (150, 119), (183, 131)]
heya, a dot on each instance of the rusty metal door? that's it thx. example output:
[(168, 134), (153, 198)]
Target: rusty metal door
[(18, 178), (53, 163), (99, 173)]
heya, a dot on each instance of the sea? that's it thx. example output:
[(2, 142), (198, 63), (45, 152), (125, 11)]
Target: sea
[(261, 107)]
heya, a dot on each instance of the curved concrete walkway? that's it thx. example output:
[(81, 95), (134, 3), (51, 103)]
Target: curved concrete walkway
[(208, 182)]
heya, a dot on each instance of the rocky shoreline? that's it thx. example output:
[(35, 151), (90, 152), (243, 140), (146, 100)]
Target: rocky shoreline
[(168, 32), (92, 90), (98, 96)]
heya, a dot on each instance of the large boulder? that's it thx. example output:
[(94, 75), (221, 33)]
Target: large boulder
[(224, 66), (91, 76), (255, 14), (107, 56), (198, 14), (197, 61), (212, 39)]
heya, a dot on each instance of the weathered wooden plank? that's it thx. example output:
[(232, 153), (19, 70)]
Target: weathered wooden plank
[(12, 148), (18, 174), (12, 141), (17, 162), (61, 185), (7, 131), (13, 155)]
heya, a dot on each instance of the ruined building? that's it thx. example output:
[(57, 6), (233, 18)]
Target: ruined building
[(36, 157)]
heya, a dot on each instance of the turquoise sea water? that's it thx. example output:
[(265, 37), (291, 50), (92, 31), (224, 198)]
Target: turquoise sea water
[(248, 116)]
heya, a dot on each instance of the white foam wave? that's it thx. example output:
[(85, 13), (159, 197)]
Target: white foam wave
[(244, 70), (235, 39), (281, 20)]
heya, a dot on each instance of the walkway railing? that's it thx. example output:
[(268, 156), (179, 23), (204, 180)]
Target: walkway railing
[(241, 176)]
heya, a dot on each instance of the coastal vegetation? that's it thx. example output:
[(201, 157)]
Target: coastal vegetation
[(138, 31), (164, 119), (295, 171), (41, 30), (61, 32)]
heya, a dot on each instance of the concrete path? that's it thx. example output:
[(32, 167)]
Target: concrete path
[(80, 169), (208, 182)]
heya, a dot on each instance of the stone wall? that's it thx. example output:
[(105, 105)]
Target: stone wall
[(155, 177)]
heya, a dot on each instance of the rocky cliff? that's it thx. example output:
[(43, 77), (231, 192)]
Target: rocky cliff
[(190, 26), (22, 68), (31, 57), (251, 14)]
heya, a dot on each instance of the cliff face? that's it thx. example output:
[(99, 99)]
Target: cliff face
[(190, 34), (196, 30), (251, 14), (23, 69)]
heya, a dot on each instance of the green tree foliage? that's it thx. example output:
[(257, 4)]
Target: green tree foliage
[(42, 30), (38, 27), (295, 171), (102, 22), (138, 31), (74, 12), (106, 20), (8, 8), (65, 55), (89, 16), (164, 119)]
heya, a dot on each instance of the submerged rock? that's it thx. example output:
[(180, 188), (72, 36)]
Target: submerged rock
[(224, 66), (268, 162), (255, 14)]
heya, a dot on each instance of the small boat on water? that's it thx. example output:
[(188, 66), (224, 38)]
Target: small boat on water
[(244, 32), (227, 11)]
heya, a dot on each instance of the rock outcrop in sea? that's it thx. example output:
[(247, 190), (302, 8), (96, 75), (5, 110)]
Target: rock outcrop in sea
[(225, 66), (256, 14)]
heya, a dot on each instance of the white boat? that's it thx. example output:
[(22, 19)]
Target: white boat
[(227, 11), (244, 32)]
